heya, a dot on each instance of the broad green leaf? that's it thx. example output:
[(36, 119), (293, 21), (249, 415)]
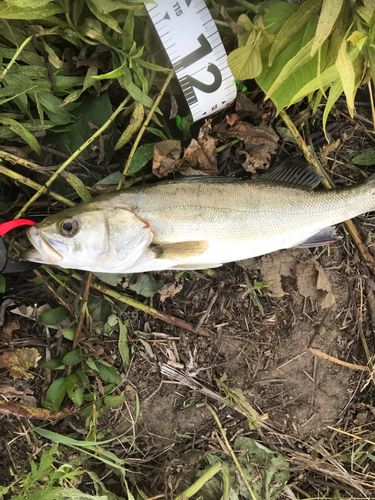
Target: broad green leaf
[(367, 158), (123, 345), (277, 16), (2, 284), (135, 124), (327, 77), (141, 157), (347, 74), (114, 400), (147, 286), (95, 110), (29, 13), (301, 58), (96, 8), (334, 93), (111, 279), (53, 316), (24, 4), (22, 132), (72, 358), (74, 389), (298, 78), (55, 394), (69, 333), (245, 62), (53, 364), (293, 25), (108, 374), (328, 16)]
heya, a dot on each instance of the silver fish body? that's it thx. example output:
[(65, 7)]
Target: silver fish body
[(192, 224)]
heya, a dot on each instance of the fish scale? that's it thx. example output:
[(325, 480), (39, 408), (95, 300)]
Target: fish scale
[(216, 222)]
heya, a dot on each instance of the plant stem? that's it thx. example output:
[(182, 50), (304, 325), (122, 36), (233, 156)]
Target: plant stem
[(329, 185), (14, 58), (231, 451), (44, 188), (58, 297), (143, 128), (34, 185), (83, 310)]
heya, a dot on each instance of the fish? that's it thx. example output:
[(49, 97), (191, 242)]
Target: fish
[(197, 223)]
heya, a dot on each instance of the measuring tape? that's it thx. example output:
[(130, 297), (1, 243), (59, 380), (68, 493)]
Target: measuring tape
[(194, 46)]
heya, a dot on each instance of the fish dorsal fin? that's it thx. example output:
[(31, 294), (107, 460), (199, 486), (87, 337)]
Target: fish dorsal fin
[(181, 250), (293, 172)]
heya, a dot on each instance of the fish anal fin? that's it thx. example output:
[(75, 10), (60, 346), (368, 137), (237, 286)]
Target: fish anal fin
[(326, 236), (180, 250)]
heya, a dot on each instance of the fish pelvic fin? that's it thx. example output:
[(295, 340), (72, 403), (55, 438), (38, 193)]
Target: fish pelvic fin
[(326, 236), (181, 250)]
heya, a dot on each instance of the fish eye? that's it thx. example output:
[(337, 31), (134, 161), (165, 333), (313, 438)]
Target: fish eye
[(68, 227)]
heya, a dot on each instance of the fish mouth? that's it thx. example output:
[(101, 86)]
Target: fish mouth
[(44, 251)]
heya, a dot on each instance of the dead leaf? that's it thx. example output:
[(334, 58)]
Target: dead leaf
[(243, 103), (7, 408), (170, 290), (25, 396), (19, 361), (6, 331), (312, 282), (259, 142), (165, 158), (199, 157), (231, 119)]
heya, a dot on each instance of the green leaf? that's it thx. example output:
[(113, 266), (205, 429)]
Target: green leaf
[(53, 316), (111, 279), (55, 394), (53, 364), (22, 132), (328, 16), (141, 157), (72, 358), (334, 93), (112, 74), (114, 400), (123, 345), (135, 124), (153, 67), (96, 8), (44, 12), (245, 62), (74, 389), (293, 25), (108, 374), (96, 110), (2, 284), (347, 74), (367, 158), (146, 286), (69, 333), (78, 186), (126, 81)]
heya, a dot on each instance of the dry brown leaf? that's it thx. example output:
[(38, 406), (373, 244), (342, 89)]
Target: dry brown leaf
[(19, 361), (199, 157), (170, 290), (312, 282), (6, 331), (243, 103), (231, 119), (259, 142), (165, 158)]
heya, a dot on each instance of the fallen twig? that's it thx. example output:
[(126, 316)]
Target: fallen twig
[(352, 366), (83, 309), (7, 408)]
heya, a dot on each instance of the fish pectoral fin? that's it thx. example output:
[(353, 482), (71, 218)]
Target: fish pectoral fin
[(181, 250), (326, 236)]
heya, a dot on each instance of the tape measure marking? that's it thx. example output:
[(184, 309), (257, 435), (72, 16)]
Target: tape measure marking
[(197, 54)]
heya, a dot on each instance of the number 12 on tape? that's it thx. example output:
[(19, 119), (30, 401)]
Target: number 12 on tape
[(194, 46)]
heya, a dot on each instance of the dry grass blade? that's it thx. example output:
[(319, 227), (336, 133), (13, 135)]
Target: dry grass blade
[(353, 366)]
